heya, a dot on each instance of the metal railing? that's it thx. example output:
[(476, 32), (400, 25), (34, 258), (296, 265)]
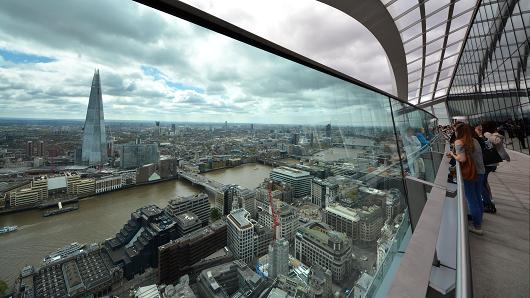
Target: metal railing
[(412, 278), (464, 283)]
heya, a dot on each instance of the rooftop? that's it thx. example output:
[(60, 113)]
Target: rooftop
[(240, 217), (291, 172), (342, 211)]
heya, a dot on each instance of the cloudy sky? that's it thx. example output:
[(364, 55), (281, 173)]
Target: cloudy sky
[(156, 67)]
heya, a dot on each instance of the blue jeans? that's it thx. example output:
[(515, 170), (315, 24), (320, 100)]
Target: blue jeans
[(473, 190), (486, 194)]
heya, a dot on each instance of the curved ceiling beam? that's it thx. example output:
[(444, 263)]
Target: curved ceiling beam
[(373, 15), (446, 37), (424, 48)]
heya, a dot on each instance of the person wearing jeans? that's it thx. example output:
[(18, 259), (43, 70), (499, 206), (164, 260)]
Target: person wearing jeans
[(473, 191), (468, 147)]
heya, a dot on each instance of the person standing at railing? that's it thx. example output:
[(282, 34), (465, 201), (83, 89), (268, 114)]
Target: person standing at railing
[(469, 154), (412, 146), (497, 154), (421, 137)]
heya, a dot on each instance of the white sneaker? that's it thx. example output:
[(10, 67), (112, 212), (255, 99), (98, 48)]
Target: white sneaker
[(475, 230)]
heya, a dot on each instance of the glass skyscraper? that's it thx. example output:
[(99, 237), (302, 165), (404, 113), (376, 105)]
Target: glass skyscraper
[(94, 150)]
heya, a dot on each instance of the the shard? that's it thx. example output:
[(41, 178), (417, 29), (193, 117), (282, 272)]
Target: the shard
[(94, 150)]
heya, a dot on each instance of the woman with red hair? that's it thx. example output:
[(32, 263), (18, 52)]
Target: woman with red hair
[(469, 154)]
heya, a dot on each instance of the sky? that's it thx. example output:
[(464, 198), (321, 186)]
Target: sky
[(156, 67)]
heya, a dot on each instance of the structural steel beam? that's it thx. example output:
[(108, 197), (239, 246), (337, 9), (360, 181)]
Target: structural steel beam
[(373, 15)]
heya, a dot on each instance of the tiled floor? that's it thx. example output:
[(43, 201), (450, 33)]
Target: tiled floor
[(500, 259)]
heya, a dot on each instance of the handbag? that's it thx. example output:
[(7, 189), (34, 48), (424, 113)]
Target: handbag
[(468, 168)]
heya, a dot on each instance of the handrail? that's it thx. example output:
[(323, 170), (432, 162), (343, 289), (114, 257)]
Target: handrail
[(464, 284), (412, 277)]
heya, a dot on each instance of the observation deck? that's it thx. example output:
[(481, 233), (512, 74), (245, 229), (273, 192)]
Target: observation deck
[(500, 259)]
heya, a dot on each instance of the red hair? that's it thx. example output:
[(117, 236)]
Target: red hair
[(464, 133)]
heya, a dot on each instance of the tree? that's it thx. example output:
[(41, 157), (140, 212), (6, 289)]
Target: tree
[(3, 288), (215, 214)]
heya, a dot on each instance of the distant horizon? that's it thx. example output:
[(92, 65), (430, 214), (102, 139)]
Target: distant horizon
[(182, 122)]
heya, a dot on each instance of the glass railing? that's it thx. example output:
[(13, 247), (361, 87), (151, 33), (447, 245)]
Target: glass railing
[(214, 112)]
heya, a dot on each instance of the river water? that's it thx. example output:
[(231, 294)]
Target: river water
[(98, 218)]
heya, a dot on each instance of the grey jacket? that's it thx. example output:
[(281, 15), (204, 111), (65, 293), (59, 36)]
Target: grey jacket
[(498, 140)]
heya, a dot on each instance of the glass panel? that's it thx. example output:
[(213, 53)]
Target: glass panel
[(226, 119)]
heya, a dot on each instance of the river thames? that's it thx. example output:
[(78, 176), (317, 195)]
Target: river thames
[(98, 218)]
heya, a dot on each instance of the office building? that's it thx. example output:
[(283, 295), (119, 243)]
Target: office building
[(299, 180), (137, 155), (168, 168), (81, 273), (147, 173), (262, 239), (328, 130), (29, 149), (317, 243), (198, 204), (83, 187), (233, 279), (236, 197), (94, 150), (281, 191), (40, 149), (109, 183), (186, 223), (180, 290), (25, 197), (320, 284), (318, 192), (240, 238), (177, 257), (288, 219), (393, 206), (278, 258), (135, 247), (41, 184), (363, 224)]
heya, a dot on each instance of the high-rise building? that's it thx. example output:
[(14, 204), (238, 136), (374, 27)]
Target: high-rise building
[(177, 257), (137, 155), (299, 180), (362, 224), (287, 217), (94, 149), (240, 239), (279, 258), (40, 149), (29, 149), (186, 223), (157, 128), (318, 192), (328, 131), (198, 204), (317, 243)]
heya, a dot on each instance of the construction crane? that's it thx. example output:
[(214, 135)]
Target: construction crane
[(273, 213)]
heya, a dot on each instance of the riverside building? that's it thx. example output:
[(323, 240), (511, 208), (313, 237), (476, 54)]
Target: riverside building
[(299, 180)]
